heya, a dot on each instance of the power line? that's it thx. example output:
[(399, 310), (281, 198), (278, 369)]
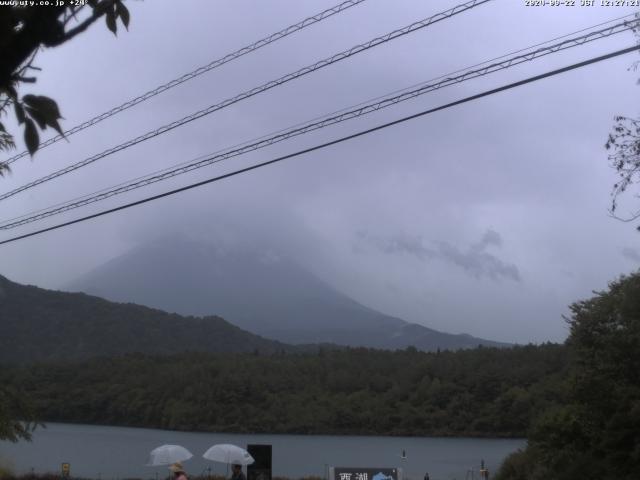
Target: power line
[(333, 142), (195, 73), (405, 89), (250, 93), (362, 109), (497, 58)]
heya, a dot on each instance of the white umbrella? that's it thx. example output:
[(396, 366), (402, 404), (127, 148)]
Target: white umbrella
[(226, 453), (168, 454)]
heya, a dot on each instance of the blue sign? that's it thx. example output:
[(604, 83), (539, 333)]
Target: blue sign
[(368, 473)]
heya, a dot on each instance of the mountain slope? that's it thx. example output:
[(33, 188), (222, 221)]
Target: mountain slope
[(41, 325), (260, 292)]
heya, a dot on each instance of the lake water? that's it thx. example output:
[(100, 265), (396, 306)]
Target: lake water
[(116, 452)]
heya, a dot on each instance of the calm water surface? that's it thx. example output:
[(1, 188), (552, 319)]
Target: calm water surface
[(116, 452)]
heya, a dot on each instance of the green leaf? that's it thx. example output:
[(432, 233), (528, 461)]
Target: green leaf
[(123, 13), (56, 126), (47, 106), (38, 117), (6, 141), (31, 137), (44, 111), (110, 18), (19, 113)]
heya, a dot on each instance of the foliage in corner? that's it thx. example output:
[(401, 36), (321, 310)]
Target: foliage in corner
[(24, 30), (595, 431), (17, 415), (625, 159), (624, 144)]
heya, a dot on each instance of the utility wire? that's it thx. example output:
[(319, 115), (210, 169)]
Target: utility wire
[(410, 87), (220, 156), (405, 89), (195, 73), (254, 91), (333, 142)]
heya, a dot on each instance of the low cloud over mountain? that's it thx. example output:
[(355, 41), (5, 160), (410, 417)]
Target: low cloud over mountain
[(475, 260), (258, 290)]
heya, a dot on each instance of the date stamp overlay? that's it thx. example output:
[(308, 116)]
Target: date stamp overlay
[(43, 3), (581, 3)]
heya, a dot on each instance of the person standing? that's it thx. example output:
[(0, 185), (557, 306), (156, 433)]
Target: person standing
[(236, 472), (178, 471)]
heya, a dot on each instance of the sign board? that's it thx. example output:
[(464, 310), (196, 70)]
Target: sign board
[(66, 470), (260, 469), (364, 473)]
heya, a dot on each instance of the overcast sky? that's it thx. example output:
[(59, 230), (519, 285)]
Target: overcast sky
[(488, 218)]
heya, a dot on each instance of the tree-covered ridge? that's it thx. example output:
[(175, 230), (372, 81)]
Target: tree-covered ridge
[(45, 325), (482, 392)]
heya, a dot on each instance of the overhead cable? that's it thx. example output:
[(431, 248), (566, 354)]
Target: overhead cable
[(361, 110), (195, 73), (330, 143), (254, 91)]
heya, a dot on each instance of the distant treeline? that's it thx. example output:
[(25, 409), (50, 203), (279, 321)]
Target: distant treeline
[(483, 392)]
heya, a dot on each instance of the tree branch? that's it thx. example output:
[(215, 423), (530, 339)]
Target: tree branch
[(98, 12), (633, 217)]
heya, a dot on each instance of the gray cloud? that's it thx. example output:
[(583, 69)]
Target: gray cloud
[(412, 245), (479, 263), (631, 254), (475, 260), (490, 238)]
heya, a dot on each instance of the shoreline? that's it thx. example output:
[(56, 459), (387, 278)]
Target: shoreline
[(118, 453), (302, 434)]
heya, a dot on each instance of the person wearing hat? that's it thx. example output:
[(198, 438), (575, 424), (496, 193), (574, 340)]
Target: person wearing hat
[(178, 471), (236, 472)]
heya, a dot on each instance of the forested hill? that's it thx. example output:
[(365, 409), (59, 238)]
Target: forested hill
[(41, 325), (481, 392)]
